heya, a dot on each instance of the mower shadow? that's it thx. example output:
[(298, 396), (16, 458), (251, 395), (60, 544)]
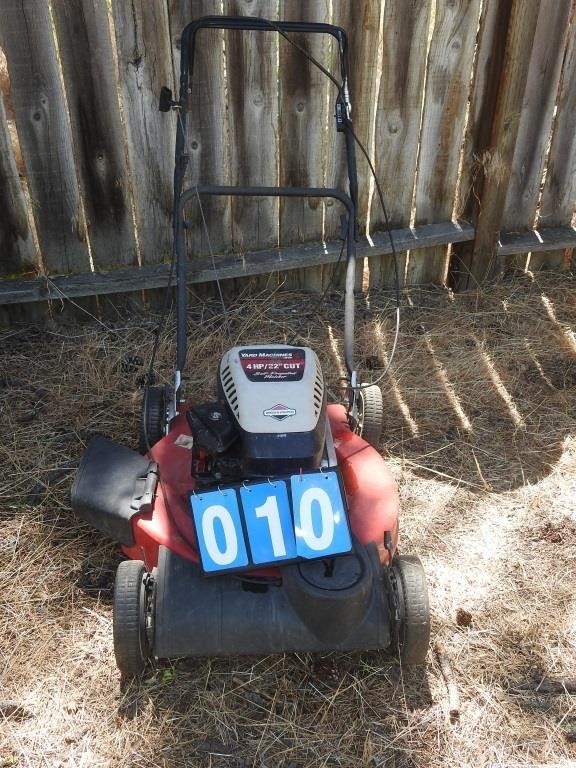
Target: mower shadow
[(291, 710), (482, 393)]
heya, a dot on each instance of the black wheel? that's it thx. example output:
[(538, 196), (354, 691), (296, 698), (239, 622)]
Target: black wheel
[(370, 414), (410, 603), (131, 609), (153, 417)]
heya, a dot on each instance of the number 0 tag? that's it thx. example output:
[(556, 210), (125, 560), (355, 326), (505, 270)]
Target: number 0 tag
[(219, 531), (320, 521)]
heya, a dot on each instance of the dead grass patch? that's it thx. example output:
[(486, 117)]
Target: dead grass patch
[(481, 408)]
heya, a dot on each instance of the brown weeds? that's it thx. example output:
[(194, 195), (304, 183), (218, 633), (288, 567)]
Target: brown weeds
[(480, 415)]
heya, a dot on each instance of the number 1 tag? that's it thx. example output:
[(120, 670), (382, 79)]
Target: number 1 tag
[(269, 522)]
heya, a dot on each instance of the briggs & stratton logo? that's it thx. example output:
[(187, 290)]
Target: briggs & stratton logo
[(280, 412)]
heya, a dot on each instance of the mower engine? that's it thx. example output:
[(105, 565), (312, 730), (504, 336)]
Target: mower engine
[(270, 418)]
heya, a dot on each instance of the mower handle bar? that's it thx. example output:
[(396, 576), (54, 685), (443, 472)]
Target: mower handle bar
[(257, 24), (336, 194), (244, 191), (188, 45)]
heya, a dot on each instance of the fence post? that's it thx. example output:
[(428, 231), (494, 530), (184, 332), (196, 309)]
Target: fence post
[(504, 51)]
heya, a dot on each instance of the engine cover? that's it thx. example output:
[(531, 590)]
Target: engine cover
[(276, 395)]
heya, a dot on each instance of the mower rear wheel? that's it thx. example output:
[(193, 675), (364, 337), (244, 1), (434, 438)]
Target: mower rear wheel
[(131, 644), (153, 418), (370, 413), (410, 593)]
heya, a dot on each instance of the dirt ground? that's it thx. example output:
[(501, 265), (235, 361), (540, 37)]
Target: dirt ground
[(480, 433)]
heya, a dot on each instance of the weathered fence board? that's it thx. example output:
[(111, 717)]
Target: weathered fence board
[(252, 67), (364, 35), (89, 71), (303, 114), (207, 139), (536, 118), (537, 241), (274, 261), (145, 64), (44, 133), (491, 48), (400, 100), (364, 41), (335, 167), (447, 89), (16, 244), (98, 155), (559, 194), (361, 21), (497, 156), (253, 263), (336, 176)]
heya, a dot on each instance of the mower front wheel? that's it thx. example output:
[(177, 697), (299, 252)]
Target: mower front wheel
[(410, 604), (131, 601)]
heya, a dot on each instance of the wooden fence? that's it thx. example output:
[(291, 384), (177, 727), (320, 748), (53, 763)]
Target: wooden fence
[(468, 108)]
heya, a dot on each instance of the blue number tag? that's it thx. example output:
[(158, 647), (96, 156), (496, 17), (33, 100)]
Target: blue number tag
[(258, 524), (268, 522), (219, 530), (320, 521)]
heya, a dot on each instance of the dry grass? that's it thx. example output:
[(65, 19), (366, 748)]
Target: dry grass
[(481, 408)]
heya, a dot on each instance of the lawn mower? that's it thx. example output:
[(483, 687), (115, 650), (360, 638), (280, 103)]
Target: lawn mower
[(265, 521)]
